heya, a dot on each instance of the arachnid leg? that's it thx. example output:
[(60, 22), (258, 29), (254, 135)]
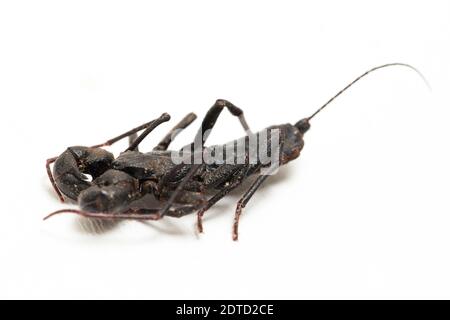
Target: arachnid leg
[(131, 132), (234, 181), (163, 118), (132, 214), (213, 114), (167, 140), (207, 124), (185, 203), (222, 193), (243, 202), (251, 191), (179, 188), (129, 215), (174, 212), (131, 139)]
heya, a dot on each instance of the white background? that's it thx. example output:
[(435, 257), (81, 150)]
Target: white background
[(363, 213)]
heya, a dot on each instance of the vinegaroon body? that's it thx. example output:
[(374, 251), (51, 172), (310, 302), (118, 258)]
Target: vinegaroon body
[(179, 188)]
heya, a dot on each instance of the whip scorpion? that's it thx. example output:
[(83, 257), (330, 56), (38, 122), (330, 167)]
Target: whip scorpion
[(180, 188)]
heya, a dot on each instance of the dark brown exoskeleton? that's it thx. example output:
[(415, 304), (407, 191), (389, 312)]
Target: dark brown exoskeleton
[(179, 188)]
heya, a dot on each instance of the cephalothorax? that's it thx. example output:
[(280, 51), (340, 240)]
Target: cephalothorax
[(179, 188)]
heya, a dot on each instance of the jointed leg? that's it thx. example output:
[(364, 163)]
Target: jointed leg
[(131, 140), (243, 202), (217, 197), (129, 133), (183, 124), (132, 214), (174, 213), (179, 189), (129, 215), (207, 124), (163, 118), (211, 117), (251, 191)]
